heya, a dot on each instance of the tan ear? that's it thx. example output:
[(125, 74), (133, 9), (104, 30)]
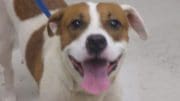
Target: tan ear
[(54, 22), (135, 20)]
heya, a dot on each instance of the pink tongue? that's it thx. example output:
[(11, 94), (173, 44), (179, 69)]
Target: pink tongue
[(95, 79)]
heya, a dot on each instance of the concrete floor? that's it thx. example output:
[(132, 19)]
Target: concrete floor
[(151, 71)]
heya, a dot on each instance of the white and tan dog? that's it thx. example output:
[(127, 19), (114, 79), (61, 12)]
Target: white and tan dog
[(77, 53)]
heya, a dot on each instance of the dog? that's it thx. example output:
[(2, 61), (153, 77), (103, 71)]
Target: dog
[(76, 54)]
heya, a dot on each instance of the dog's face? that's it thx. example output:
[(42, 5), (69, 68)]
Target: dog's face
[(93, 38)]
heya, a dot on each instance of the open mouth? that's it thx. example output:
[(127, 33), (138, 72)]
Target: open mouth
[(95, 73), (111, 64)]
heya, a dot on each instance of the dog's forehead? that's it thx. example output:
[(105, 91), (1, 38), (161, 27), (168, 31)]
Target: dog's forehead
[(112, 10), (76, 9), (104, 10), (96, 13)]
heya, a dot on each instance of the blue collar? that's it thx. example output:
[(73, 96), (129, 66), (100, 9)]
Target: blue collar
[(43, 7)]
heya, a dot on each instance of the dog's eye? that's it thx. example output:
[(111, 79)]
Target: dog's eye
[(115, 24), (76, 24)]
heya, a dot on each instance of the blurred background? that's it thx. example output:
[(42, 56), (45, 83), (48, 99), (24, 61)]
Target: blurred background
[(151, 71)]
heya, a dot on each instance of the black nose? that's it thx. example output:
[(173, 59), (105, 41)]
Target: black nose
[(95, 44)]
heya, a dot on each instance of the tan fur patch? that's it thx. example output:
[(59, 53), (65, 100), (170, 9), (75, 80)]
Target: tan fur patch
[(27, 8), (34, 54), (109, 11), (65, 18)]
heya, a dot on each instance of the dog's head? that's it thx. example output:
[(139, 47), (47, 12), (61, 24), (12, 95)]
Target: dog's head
[(93, 38)]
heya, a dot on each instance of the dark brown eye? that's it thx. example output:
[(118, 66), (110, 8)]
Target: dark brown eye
[(115, 24), (76, 24)]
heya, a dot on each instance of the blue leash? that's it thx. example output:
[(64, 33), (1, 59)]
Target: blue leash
[(43, 7)]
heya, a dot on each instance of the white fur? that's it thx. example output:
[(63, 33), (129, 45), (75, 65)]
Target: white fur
[(23, 30), (57, 83), (60, 81), (59, 70), (53, 81), (78, 48)]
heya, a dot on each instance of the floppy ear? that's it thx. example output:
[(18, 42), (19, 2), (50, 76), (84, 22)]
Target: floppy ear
[(53, 23), (135, 20)]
